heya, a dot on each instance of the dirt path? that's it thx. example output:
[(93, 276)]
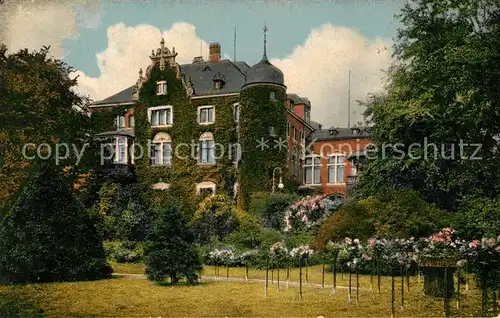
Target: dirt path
[(240, 279)]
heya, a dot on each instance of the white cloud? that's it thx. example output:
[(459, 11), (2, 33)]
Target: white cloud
[(129, 49), (33, 24), (319, 70)]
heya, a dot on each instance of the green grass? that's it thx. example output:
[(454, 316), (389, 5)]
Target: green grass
[(137, 297)]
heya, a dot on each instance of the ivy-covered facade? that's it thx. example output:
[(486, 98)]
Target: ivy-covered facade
[(205, 127)]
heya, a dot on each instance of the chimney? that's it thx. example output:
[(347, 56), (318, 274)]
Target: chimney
[(214, 52)]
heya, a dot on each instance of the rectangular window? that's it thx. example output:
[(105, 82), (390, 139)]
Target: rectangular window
[(354, 169), (302, 137), (312, 170), (120, 122), (156, 155), (236, 112), (294, 136), (161, 88), (160, 116), (131, 121), (272, 95), (207, 151), (206, 114), (294, 163), (121, 150), (336, 169)]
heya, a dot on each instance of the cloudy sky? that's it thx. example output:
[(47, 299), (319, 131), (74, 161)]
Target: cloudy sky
[(314, 43)]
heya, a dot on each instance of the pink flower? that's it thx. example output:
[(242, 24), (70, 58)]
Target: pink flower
[(372, 242), (347, 240), (474, 243)]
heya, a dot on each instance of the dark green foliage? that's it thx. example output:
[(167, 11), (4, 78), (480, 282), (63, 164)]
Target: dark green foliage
[(214, 219), (478, 218), (271, 207), (48, 236), (125, 251), (443, 88), (257, 114), (390, 214), (170, 252)]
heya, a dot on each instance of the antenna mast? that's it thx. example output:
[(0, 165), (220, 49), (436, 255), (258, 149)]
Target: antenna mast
[(349, 102), (234, 48)]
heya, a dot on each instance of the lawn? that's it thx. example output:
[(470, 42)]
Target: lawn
[(139, 297)]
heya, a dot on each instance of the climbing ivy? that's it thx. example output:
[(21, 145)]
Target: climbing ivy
[(258, 113), (185, 171)]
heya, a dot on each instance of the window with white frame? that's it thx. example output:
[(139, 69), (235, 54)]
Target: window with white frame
[(131, 121), (120, 121), (161, 150), (161, 116), (206, 115), (236, 112), (205, 188), (312, 169), (235, 152), (294, 162), (121, 150), (336, 168), (302, 137), (272, 95), (207, 149), (354, 169), (161, 88)]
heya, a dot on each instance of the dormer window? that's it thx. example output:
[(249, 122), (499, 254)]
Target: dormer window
[(219, 80), (333, 132), (161, 88), (218, 85), (272, 95), (120, 122), (355, 131)]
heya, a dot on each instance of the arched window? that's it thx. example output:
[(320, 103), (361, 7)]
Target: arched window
[(205, 188), (207, 148), (162, 150)]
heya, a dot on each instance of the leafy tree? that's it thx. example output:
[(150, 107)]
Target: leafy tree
[(442, 89), (170, 251), (38, 105), (48, 236), (478, 218), (271, 208), (214, 219)]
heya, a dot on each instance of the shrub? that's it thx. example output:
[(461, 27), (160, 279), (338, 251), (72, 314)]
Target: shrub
[(479, 217), (48, 235), (391, 214), (271, 207), (308, 213), (125, 251), (214, 219), (171, 251)]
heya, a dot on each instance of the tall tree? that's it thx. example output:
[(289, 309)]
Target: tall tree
[(38, 104), (442, 90)]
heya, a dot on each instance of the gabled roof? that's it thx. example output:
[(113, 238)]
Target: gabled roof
[(125, 96), (298, 100), (202, 75), (341, 133)]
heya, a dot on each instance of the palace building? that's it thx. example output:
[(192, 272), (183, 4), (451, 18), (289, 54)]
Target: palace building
[(218, 125)]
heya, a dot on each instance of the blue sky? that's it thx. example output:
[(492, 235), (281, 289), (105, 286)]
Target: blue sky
[(289, 24), (314, 43)]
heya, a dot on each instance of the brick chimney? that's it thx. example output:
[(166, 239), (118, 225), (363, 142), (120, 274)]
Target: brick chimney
[(214, 52)]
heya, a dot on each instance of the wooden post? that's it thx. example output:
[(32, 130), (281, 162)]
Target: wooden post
[(335, 276), (323, 276), (307, 271), (393, 295), (378, 275), (227, 270), (246, 272), (407, 279), (278, 268), (446, 313), (402, 289), (288, 274), (349, 293), (215, 270), (357, 285), (300, 276), (458, 288), (484, 299), (267, 276), (371, 277), (272, 271)]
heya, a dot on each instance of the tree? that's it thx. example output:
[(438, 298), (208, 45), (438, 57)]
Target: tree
[(170, 251), (214, 219), (38, 105), (48, 236), (442, 89)]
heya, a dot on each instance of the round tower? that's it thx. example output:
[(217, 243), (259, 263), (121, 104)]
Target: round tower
[(263, 135)]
